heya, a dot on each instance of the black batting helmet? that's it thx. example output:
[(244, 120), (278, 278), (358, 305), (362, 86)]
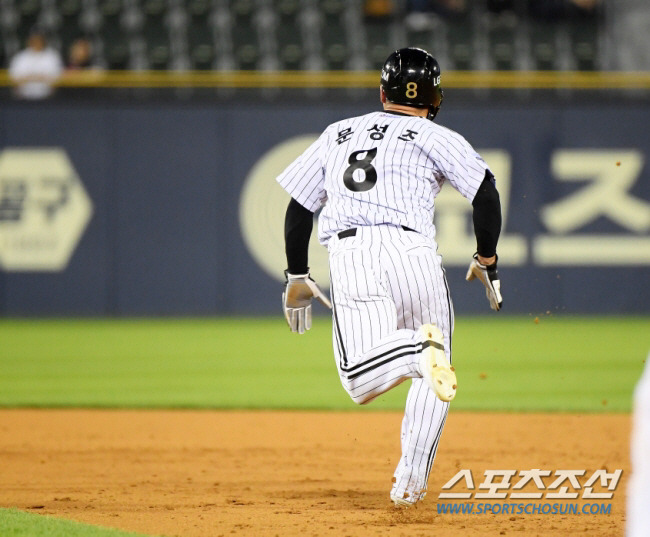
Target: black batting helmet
[(411, 76)]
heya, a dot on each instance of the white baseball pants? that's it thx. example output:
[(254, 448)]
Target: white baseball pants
[(385, 283)]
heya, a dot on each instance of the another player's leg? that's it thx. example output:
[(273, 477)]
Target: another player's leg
[(638, 488)]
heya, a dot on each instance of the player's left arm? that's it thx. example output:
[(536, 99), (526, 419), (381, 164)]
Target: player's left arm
[(486, 216), (300, 287)]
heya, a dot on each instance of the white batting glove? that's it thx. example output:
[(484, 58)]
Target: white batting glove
[(296, 301), (489, 277)]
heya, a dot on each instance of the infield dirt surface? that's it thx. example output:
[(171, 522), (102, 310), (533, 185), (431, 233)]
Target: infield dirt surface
[(212, 473)]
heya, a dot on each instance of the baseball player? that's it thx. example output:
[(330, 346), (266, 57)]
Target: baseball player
[(376, 177)]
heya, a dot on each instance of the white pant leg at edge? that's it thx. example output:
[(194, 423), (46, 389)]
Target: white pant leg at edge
[(638, 488)]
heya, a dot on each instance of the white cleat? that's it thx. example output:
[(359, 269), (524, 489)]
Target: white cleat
[(402, 504), (434, 366), (405, 499)]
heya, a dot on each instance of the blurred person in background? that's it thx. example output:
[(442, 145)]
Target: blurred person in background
[(628, 35), (35, 70), (80, 55), (557, 10), (379, 8), (444, 8)]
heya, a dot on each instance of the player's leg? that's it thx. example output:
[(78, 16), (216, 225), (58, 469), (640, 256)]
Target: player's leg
[(427, 301), (424, 420), (638, 489), (372, 354)]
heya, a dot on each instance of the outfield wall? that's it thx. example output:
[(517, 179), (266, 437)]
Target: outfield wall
[(141, 208)]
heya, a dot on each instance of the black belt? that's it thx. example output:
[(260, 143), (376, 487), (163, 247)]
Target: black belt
[(353, 231)]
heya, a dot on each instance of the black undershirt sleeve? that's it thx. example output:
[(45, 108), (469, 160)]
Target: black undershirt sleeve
[(298, 225), (487, 217)]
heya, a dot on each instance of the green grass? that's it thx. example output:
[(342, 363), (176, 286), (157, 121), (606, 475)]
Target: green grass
[(503, 363), (15, 523)]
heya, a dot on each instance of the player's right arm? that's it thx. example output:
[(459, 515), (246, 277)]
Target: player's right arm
[(304, 181), (299, 286), (298, 225)]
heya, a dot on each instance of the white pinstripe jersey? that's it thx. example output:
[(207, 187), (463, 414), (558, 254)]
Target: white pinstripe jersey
[(381, 168)]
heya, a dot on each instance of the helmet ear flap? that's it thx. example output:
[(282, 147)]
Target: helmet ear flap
[(433, 110)]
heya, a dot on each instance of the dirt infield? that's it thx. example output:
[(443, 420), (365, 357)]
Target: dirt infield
[(205, 473)]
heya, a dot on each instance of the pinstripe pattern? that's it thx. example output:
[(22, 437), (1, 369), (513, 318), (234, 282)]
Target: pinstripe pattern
[(385, 283), (376, 173), (410, 173)]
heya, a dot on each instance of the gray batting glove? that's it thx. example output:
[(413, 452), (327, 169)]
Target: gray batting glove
[(296, 300), (489, 277)]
